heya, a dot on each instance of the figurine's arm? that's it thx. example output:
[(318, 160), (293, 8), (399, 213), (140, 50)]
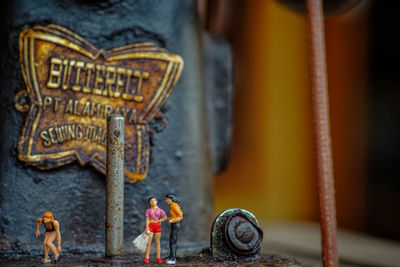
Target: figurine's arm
[(163, 219), (57, 227), (38, 222), (147, 231), (179, 212), (175, 220)]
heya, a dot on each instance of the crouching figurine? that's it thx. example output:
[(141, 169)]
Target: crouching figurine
[(176, 216), (52, 232)]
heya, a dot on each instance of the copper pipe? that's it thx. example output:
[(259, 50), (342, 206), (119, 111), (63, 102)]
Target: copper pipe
[(322, 132)]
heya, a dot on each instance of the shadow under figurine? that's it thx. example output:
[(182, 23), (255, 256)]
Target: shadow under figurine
[(153, 227), (52, 232), (176, 216)]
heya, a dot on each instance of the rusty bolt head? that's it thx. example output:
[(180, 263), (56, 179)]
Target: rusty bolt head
[(242, 235), (244, 232)]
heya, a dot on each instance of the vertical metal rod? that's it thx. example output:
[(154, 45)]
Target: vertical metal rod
[(322, 132), (115, 186)]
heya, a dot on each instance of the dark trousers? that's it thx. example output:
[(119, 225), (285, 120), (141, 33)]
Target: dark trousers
[(173, 239)]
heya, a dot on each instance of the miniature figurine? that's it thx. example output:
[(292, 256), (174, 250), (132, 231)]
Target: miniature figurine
[(52, 232), (174, 220), (153, 226)]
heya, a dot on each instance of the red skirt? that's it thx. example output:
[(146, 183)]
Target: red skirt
[(155, 227)]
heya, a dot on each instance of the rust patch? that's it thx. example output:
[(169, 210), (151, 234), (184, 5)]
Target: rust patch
[(73, 88)]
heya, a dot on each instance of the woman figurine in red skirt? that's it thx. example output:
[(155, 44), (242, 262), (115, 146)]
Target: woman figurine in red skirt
[(153, 227)]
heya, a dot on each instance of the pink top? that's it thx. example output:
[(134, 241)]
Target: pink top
[(155, 214)]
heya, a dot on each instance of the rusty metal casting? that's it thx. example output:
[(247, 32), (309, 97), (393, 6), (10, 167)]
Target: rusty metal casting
[(115, 186), (152, 36), (322, 132), (235, 235)]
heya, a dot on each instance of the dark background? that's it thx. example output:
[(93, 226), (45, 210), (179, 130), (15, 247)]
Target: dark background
[(384, 112)]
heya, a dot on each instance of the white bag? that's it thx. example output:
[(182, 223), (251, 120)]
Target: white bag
[(140, 242)]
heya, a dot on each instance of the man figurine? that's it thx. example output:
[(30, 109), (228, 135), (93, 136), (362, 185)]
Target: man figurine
[(176, 216), (52, 232)]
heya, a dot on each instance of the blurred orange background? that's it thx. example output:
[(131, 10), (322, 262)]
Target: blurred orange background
[(272, 169)]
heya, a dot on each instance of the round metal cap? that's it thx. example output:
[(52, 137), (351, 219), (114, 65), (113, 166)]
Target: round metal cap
[(242, 235)]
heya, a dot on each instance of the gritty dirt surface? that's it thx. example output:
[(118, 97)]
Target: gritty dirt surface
[(137, 260)]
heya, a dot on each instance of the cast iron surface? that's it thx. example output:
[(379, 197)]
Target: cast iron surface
[(202, 259), (218, 79), (180, 160)]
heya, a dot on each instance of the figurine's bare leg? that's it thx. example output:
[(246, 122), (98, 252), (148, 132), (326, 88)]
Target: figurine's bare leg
[(46, 248), (52, 236), (149, 245), (158, 247)]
